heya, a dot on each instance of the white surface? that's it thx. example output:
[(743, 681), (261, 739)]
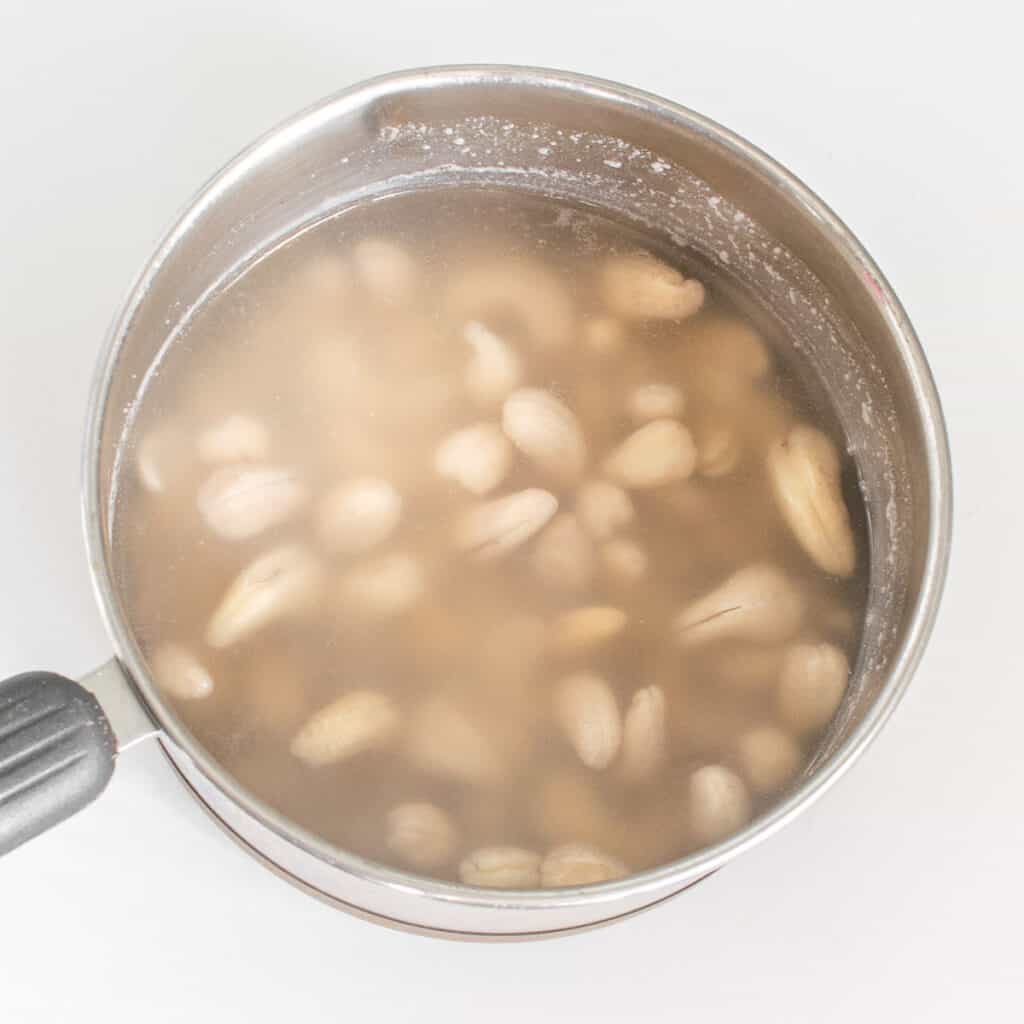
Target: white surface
[(898, 896)]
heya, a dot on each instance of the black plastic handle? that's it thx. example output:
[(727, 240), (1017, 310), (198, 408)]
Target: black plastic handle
[(56, 753)]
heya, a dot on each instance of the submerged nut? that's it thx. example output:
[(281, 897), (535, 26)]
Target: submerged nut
[(318, 288), (718, 452), (811, 685), (643, 735), (603, 336), (656, 454), (719, 803), (769, 758), (360, 720), (624, 560), (588, 714), (570, 808), (385, 268), (238, 502), (524, 292), (178, 672), (477, 458), (274, 695), (495, 369), (162, 459), (546, 431), (446, 742), (747, 669), (563, 556), (421, 834), (757, 603), (641, 286), (358, 514), (278, 584), (603, 508), (237, 438), (501, 867), (579, 864), (383, 587), (804, 470), (498, 527), (655, 402), (585, 629), (726, 358)]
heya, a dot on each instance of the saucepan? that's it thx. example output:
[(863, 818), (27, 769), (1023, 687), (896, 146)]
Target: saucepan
[(666, 169)]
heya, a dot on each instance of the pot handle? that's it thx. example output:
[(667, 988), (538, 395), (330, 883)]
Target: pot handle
[(57, 751)]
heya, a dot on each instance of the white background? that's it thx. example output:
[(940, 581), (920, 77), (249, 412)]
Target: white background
[(899, 895)]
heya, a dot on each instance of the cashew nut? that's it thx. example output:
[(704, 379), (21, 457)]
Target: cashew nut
[(804, 470), (278, 584), (640, 286), (579, 864), (811, 685), (588, 714), (421, 834), (757, 603), (719, 803), (360, 720), (527, 292)]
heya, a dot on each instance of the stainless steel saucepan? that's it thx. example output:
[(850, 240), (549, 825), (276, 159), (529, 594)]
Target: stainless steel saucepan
[(668, 170)]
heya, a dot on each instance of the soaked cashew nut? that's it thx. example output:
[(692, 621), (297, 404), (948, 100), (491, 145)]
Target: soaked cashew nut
[(501, 867), (384, 587), (747, 669), (805, 475), (274, 697), (162, 459), (477, 458), (588, 714), (236, 438), (603, 508), (757, 603), (360, 720), (585, 629), (546, 431), (579, 864), (811, 685), (569, 808), (385, 269), (422, 834), (718, 451), (655, 402), (496, 528), (603, 336), (563, 556), (238, 502), (625, 562), (446, 742), (527, 292), (178, 672), (644, 742), (658, 453), (719, 803), (278, 584), (769, 758), (358, 514), (495, 369), (640, 286), (726, 359)]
